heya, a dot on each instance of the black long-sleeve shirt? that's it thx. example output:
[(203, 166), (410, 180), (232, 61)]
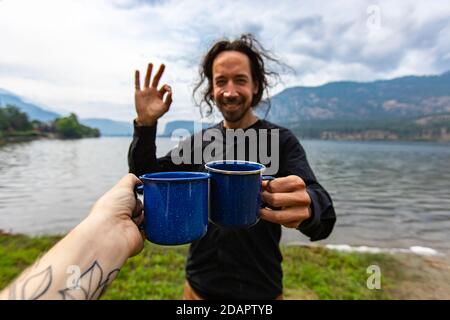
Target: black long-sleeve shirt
[(240, 263)]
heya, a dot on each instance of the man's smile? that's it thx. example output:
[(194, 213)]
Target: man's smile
[(233, 106)]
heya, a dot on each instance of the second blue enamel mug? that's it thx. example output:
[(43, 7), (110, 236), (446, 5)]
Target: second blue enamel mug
[(235, 192)]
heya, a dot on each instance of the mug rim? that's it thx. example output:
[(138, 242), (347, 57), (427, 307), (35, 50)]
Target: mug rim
[(183, 176), (246, 172)]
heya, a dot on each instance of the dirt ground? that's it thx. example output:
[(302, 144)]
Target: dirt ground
[(421, 278)]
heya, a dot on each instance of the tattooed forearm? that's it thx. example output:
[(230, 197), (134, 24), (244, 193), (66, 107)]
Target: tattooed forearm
[(90, 285)]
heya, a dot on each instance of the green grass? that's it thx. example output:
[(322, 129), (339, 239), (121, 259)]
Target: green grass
[(318, 273), (158, 272), (17, 252)]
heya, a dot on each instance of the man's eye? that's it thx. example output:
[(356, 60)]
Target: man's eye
[(220, 82), (241, 81)]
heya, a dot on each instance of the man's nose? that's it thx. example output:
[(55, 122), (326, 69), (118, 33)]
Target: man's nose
[(230, 91)]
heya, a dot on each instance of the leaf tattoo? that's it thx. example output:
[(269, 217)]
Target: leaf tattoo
[(90, 285), (93, 273), (102, 288), (37, 285)]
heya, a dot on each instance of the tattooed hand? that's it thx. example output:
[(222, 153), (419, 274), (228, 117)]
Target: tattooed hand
[(86, 261)]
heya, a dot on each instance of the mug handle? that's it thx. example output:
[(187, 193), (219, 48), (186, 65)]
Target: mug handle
[(265, 205), (138, 190)]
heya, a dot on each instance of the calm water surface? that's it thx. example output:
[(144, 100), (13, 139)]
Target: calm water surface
[(386, 194)]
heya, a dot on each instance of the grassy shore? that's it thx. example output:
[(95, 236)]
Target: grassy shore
[(309, 272)]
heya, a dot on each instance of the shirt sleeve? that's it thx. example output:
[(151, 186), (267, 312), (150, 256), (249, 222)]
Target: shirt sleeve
[(323, 216), (142, 153)]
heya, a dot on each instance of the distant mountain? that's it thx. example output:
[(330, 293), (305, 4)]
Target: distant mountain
[(411, 96), (33, 111), (109, 127), (190, 126), (406, 108)]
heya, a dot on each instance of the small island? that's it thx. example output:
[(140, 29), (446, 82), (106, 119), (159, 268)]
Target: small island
[(15, 126)]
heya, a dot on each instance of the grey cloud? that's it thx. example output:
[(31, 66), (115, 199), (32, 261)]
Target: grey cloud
[(347, 42), (253, 28), (414, 37), (425, 36), (442, 51), (133, 4), (184, 60), (323, 40), (311, 25)]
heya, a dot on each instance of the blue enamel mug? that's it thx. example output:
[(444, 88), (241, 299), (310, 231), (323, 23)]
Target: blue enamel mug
[(175, 206), (235, 192)]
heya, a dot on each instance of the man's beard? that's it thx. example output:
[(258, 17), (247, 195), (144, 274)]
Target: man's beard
[(233, 115)]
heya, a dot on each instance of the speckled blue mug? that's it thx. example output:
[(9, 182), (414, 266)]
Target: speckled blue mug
[(235, 192), (175, 206)]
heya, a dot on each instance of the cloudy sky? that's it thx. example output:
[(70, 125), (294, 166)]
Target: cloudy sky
[(80, 56)]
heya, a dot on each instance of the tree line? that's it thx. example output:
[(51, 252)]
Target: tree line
[(15, 123), (436, 128)]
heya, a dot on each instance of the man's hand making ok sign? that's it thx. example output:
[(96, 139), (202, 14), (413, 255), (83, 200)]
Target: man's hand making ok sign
[(151, 103)]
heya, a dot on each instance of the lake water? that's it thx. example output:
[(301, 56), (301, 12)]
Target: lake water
[(386, 194)]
